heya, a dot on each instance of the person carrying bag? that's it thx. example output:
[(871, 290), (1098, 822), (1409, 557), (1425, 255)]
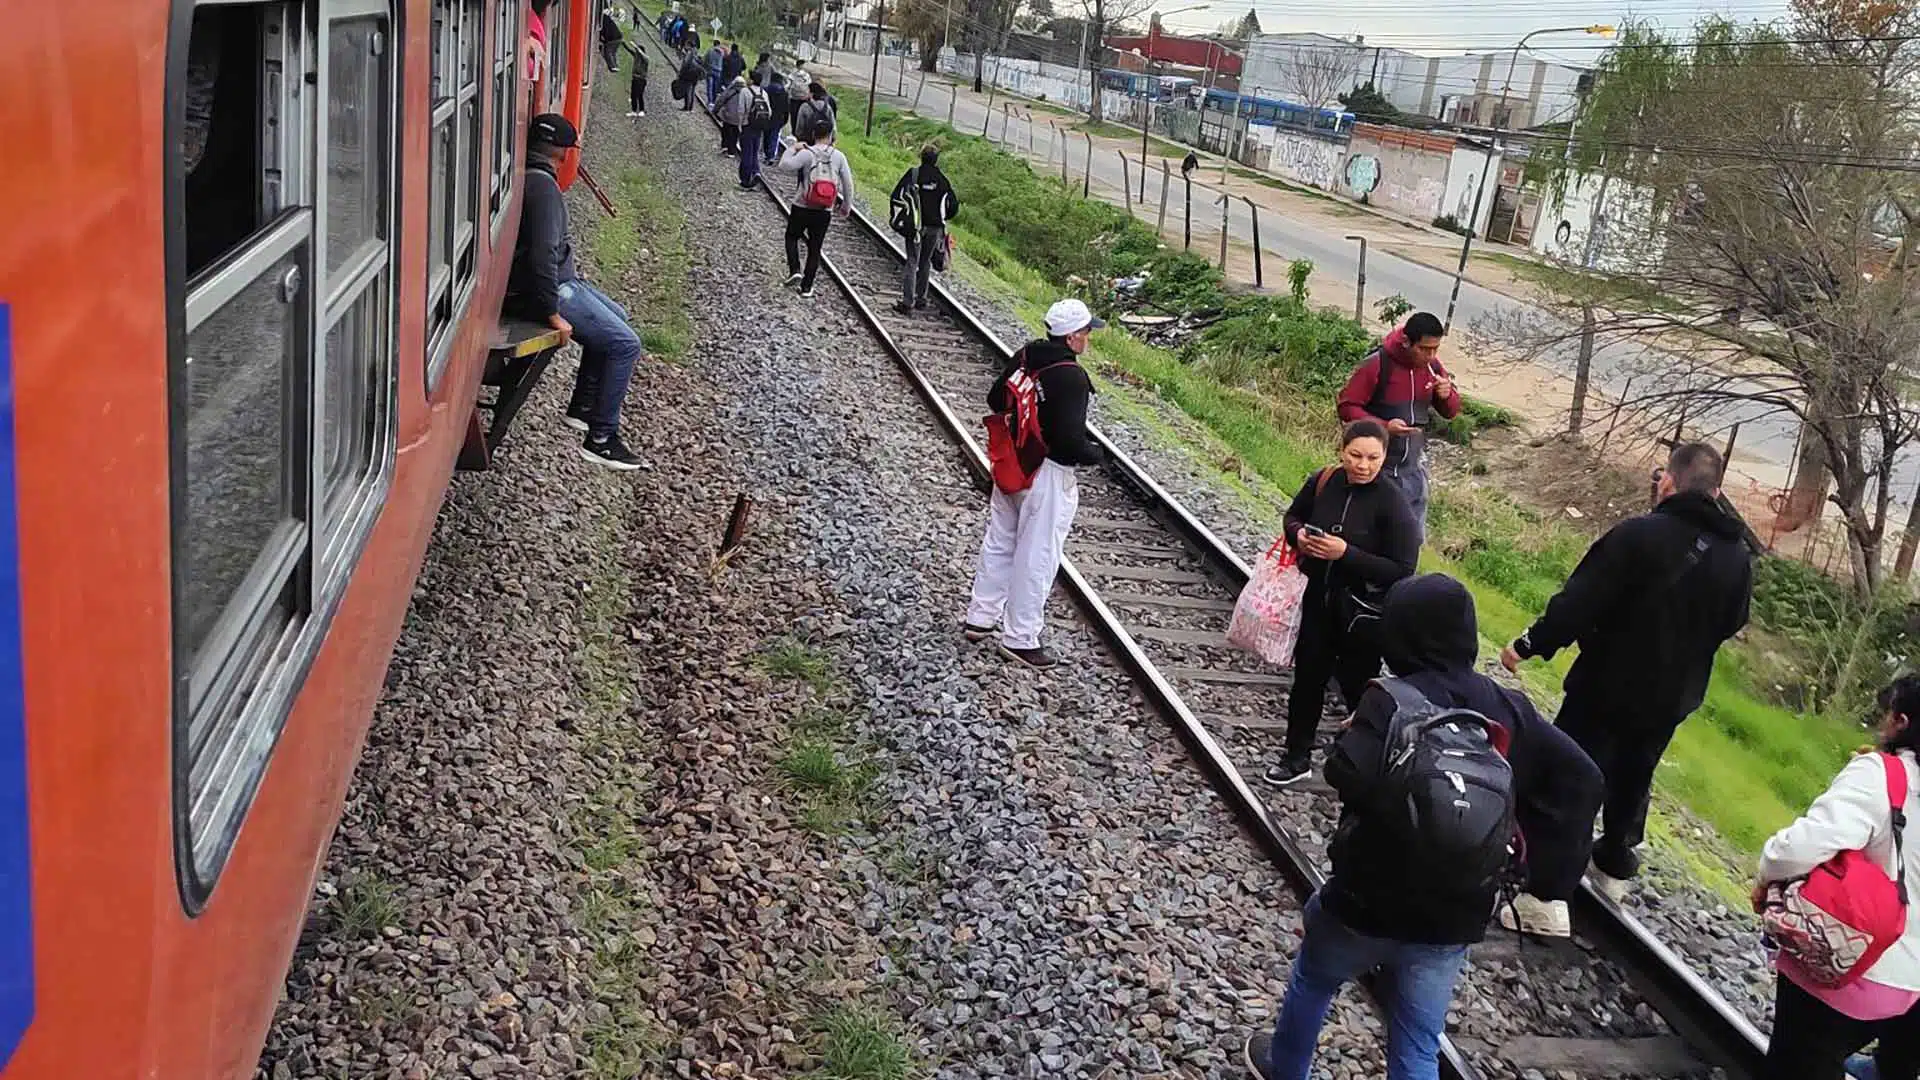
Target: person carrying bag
[(1833, 896)]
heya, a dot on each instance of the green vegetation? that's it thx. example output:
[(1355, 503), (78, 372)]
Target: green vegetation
[(363, 907), (859, 1042), (1259, 379), (798, 660), (822, 764), (645, 248)]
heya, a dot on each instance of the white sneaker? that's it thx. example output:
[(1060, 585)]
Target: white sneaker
[(630, 112), (1529, 914), (642, 112), (1613, 888)]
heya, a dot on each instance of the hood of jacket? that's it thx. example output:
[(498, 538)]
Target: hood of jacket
[(1428, 624), (1047, 352), (1702, 512), (1398, 349)]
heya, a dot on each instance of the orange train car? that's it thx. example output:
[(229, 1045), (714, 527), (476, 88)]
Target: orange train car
[(252, 256)]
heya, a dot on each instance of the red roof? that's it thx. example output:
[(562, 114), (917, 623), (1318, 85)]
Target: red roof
[(1172, 49)]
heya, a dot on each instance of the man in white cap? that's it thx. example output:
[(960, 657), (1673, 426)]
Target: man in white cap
[(1027, 530)]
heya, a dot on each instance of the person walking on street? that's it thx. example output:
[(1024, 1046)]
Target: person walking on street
[(1402, 385), (757, 118), (782, 109), (1355, 536), (1411, 890), (610, 39), (732, 110), (637, 85), (826, 188), (1190, 163), (1027, 531), (544, 285), (716, 59), (922, 204), (1816, 1027), (1649, 606)]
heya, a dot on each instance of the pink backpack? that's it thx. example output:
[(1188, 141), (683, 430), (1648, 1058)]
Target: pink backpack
[(1837, 921)]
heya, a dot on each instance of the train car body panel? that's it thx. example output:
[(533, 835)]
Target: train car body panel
[(117, 959)]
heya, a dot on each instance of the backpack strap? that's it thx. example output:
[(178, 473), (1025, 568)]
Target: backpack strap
[(1320, 484), (1405, 698), (1897, 801)]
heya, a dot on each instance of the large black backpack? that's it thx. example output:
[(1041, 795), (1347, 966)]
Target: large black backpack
[(1447, 789)]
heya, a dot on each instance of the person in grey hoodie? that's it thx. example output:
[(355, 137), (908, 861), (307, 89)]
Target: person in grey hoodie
[(821, 167), (716, 59), (732, 110)]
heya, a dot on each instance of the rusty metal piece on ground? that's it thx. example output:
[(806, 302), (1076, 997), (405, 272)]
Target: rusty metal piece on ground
[(736, 526), (605, 203)]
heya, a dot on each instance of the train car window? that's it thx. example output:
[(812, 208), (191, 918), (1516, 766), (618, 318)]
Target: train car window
[(558, 16), (280, 379), (454, 168), (506, 39)]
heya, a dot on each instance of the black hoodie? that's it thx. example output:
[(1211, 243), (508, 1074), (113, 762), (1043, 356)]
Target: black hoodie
[(1649, 623), (1430, 638), (1065, 391)]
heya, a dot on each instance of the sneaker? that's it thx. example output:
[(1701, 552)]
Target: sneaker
[(1289, 771), (920, 303), (642, 112), (794, 278), (806, 293), (612, 453), (975, 633), (1529, 914), (903, 307), (1259, 1055), (1613, 888), (631, 112), (577, 416), (1036, 658)]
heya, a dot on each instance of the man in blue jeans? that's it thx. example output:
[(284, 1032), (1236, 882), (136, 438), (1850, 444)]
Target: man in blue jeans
[(544, 286), (1384, 907)]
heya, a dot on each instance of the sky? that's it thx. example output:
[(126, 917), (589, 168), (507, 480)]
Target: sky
[(1469, 25)]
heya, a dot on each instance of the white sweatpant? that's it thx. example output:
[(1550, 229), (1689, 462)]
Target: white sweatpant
[(1026, 537)]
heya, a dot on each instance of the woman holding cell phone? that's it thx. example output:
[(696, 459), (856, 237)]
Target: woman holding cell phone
[(1355, 535)]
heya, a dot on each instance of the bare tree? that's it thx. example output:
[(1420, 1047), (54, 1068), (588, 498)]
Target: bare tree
[(1317, 74), (1775, 271), (1102, 16)]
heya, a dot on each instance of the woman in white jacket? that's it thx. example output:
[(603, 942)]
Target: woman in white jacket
[(1814, 1028)]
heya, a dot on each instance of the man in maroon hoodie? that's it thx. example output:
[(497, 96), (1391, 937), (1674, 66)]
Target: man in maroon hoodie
[(1401, 384)]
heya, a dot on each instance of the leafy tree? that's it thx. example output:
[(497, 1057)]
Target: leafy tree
[(1783, 233), (1369, 105)]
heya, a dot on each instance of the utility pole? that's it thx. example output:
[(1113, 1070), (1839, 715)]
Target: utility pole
[(873, 88)]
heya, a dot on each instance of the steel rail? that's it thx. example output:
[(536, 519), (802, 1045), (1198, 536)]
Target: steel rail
[(1698, 1013)]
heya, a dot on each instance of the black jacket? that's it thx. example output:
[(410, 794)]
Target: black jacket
[(640, 65), (733, 66), (781, 102), (1383, 538), (1430, 638), (543, 258), (609, 29), (1064, 393), (1647, 623), (938, 203)]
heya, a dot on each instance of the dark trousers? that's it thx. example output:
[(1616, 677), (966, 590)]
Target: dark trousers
[(686, 103), (1325, 651), (916, 276), (1555, 812), (610, 52), (1811, 1040), (1627, 748), (811, 223), (749, 157), (637, 95), (729, 138), (770, 142)]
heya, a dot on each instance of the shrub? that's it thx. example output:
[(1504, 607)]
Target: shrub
[(1391, 309), (1844, 649), (1298, 271)]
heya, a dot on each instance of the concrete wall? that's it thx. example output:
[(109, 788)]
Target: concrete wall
[(1304, 159), (1626, 243), (1466, 171), (1402, 171)]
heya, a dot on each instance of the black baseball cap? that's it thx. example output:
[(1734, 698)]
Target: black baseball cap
[(552, 129)]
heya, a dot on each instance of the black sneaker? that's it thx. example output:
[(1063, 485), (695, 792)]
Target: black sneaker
[(1038, 659), (975, 633), (1289, 771), (903, 307), (1259, 1055), (920, 303), (577, 417), (612, 453), (806, 293), (794, 278)]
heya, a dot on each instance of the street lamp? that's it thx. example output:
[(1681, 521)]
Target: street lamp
[(1473, 219), (1146, 114)]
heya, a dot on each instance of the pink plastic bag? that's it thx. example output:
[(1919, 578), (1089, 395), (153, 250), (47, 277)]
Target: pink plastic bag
[(1266, 618)]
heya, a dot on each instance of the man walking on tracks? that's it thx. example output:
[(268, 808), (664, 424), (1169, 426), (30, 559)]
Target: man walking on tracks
[(1042, 398), (544, 286), (922, 204), (1649, 606), (1401, 384)]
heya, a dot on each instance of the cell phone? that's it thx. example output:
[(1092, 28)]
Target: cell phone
[(1313, 530)]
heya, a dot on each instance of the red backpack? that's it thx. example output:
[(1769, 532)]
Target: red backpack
[(1015, 448), (1837, 921)]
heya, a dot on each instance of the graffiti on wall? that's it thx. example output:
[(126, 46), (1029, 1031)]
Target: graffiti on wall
[(1420, 199), (1306, 160)]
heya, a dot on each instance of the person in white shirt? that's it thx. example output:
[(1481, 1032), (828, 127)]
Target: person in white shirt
[(1815, 1028)]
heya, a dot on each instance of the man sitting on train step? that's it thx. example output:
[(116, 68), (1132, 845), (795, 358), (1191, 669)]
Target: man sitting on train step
[(1428, 811), (544, 286)]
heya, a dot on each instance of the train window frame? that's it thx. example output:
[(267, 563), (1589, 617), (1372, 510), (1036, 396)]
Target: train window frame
[(507, 33), (232, 694), (450, 287)]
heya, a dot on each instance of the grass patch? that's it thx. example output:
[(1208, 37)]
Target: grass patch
[(1611, 290), (790, 659), (646, 247), (363, 906), (859, 1042)]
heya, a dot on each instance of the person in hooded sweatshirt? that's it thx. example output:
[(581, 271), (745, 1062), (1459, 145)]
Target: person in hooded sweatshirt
[(1372, 912), (1402, 385), (1355, 536), (1649, 605), (924, 202), (1027, 531)]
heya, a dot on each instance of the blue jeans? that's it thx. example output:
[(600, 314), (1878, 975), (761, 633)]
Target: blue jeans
[(749, 146), (1419, 981), (771, 140), (1411, 479), (713, 86), (608, 350)]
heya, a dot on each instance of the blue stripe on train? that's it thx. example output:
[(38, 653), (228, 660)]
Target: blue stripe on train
[(16, 894)]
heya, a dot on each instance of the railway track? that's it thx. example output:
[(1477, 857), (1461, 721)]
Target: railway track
[(1158, 585)]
